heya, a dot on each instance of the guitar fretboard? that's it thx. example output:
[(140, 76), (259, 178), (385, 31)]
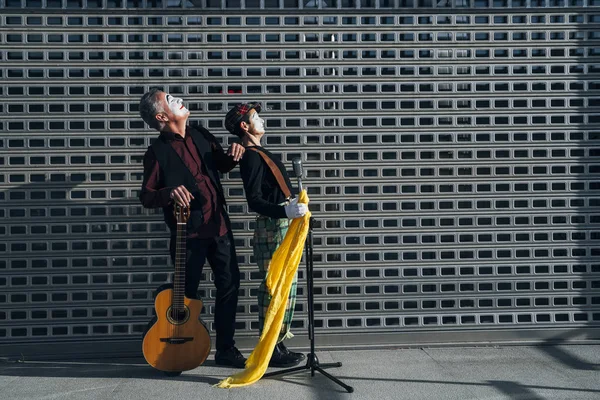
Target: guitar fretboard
[(179, 277)]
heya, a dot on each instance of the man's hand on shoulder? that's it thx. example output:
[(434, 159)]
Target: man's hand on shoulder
[(236, 151)]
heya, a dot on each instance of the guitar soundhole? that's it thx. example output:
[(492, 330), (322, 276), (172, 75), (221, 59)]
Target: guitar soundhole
[(178, 316)]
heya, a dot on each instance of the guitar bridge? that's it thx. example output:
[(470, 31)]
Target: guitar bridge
[(177, 340)]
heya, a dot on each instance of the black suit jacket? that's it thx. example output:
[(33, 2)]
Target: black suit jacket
[(175, 173)]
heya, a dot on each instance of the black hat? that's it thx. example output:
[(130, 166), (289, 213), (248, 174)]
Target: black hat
[(237, 114)]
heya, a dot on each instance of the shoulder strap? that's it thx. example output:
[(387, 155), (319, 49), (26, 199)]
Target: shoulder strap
[(276, 172)]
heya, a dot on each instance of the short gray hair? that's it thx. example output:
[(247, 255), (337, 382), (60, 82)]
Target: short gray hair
[(150, 105)]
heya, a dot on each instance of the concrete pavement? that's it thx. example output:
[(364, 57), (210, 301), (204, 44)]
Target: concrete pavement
[(461, 373)]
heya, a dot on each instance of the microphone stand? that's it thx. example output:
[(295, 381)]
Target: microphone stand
[(312, 362)]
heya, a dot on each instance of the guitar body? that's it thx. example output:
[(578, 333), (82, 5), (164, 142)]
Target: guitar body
[(177, 341)]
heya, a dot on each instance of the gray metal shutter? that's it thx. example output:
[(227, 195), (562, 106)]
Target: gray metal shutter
[(450, 149)]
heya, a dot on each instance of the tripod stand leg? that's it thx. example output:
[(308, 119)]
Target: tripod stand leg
[(314, 367), (329, 365), (349, 389), (286, 371)]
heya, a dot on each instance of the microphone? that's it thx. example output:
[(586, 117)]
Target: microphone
[(297, 164)]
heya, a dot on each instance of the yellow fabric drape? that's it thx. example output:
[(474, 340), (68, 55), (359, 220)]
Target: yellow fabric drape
[(282, 269)]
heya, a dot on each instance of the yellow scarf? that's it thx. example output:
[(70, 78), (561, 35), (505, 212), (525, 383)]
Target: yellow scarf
[(282, 269)]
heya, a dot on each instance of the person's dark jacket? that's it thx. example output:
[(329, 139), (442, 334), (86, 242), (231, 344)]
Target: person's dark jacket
[(262, 190), (174, 173)]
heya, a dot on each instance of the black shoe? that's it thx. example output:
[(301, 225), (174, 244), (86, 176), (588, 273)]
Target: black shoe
[(299, 356), (283, 358), (230, 357)]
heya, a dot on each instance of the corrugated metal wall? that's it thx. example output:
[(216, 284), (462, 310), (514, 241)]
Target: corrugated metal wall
[(450, 150)]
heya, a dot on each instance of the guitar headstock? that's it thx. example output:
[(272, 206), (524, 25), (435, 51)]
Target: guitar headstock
[(182, 214)]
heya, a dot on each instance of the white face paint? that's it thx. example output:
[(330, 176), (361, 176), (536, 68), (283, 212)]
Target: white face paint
[(257, 124), (176, 105)]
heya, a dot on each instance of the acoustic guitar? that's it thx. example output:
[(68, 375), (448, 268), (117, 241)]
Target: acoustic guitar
[(177, 339)]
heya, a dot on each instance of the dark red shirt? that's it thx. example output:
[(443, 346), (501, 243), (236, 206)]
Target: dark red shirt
[(154, 194)]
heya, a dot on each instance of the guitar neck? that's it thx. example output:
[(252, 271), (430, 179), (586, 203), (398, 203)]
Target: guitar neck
[(179, 277)]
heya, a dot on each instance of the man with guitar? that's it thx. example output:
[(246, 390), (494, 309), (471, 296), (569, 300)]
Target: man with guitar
[(182, 166), (268, 192)]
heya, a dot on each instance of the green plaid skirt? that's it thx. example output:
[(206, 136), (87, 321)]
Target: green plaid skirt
[(268, 235)]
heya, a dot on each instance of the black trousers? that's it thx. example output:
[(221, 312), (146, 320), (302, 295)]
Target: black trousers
[(220, 253)]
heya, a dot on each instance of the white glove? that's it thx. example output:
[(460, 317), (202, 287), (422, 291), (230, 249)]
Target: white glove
[(295, 209)]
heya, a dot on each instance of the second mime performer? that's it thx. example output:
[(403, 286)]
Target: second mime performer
[(266, 197)]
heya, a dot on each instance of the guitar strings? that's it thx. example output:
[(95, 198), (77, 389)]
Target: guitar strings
[(177, 297), (176, 288), (180, 250)]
